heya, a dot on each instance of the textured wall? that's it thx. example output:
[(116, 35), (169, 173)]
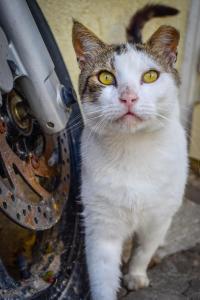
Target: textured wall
[(195, 132), (107, 19)]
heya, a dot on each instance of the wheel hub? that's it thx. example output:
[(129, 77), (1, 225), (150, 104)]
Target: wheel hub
[(18, 113), (32, 190)]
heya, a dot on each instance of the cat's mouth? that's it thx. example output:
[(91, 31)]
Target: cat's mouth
[(129, 115)]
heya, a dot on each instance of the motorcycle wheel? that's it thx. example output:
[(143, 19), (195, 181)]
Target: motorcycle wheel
[(50, 263)]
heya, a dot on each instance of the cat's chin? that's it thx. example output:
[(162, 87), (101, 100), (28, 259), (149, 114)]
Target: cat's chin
[(125, 126), (128, 123)]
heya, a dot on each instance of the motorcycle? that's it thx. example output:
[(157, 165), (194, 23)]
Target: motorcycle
[(41, 251)]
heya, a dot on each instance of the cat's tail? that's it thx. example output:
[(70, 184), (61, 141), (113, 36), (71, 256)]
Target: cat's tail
[(142, 16)]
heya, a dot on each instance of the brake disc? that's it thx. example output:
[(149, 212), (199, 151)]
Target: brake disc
[(27, 195)]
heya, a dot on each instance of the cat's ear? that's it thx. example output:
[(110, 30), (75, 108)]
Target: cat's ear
[(164, 42), (86, 43)]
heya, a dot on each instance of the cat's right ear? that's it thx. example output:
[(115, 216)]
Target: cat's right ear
[(86, 43), (164, 42)]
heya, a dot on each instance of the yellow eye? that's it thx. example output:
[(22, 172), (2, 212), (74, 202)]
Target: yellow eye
[(150, 76), (106, 78)]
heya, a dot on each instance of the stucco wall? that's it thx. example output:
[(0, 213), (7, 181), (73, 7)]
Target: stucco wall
[(195, 141), (107, 18)]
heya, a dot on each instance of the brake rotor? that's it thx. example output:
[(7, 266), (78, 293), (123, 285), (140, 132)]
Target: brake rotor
[(34, 189)]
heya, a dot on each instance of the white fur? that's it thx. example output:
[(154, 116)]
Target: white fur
[(133, 173)]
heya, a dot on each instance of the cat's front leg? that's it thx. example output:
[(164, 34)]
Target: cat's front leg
[(150, 236), (103, 252)]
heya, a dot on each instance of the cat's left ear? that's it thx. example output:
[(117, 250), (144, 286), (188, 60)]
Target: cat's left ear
[(86, 43), (164, 43)]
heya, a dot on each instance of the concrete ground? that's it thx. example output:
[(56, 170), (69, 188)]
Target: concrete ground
[(177, 277)]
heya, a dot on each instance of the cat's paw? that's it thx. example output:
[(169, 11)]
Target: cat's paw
[(136, 281)]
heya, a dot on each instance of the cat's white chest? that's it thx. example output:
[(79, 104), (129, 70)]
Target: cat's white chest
[(135, 180), (140, 174)]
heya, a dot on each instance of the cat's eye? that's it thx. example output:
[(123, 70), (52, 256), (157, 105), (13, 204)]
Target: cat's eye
[(150, 76), (106, 78)]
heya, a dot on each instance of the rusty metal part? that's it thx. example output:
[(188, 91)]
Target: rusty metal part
[(2, 127), (23, 197), (35, 162)]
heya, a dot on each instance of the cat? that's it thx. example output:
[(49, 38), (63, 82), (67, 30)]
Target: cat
[(133, 148)]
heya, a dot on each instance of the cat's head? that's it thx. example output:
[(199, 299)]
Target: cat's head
[(127, 87)]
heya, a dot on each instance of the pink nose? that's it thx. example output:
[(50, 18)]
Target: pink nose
[(128, 99)]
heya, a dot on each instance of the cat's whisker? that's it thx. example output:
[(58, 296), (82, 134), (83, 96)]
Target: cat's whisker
[(102, 110), (92, 131), (76, 125), (76, 117), (188, 135)]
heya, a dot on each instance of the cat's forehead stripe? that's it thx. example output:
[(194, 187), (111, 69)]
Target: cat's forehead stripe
[(133, 60), (121, 49)]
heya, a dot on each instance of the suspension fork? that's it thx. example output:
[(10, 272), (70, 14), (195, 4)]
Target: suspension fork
[(34, 67)]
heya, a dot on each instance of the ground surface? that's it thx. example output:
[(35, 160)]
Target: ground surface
[(176, 278)]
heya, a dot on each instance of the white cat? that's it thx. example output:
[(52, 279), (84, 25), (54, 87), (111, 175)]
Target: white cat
[(134, 153)]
